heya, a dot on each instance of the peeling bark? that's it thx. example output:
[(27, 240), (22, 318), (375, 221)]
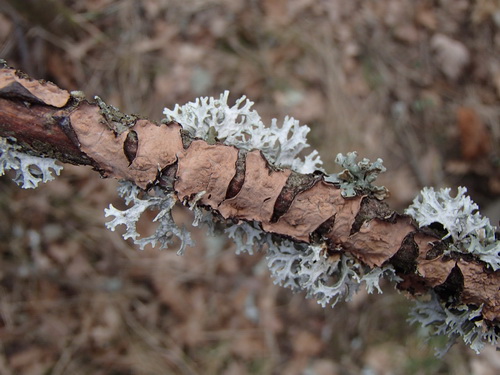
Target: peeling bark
[(204, 167), (14, 84), (47, 121)]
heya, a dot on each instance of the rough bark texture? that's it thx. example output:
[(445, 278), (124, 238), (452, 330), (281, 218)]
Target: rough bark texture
[(48, 121)]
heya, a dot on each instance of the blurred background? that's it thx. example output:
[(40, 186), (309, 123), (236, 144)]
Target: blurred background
[(416, 83)]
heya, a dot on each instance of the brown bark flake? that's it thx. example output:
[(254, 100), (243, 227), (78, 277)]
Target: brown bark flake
[(308, 211), (158, 147), (481, 287), (378, 240), (344, 219), (99, 142), (204, 167), (256, 199), (424, 243), (14, 85), (435, 271)]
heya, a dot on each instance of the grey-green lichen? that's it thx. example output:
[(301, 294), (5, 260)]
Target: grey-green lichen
[(358, 177), (117, 120), (29, 170), (239, 125), (454, 322), (467, 231), (141, 201)]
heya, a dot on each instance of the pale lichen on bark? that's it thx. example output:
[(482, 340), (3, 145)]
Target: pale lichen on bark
[(325, 234)]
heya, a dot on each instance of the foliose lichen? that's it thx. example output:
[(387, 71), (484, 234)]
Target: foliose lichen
[(29, 170), (454, 322), (358, 177), (327, 278), (117, 120), (155, 200), (467, 231), (213, 119)]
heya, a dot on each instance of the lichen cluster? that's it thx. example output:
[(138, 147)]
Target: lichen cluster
[(327, 278), (324, 274), (155, 200), (454, 322), (298, 266), (467, 231), (29, 170), (358, 177), (213, 119)]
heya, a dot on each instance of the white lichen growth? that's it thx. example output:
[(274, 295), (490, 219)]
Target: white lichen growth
[(29, 170), (372, 278), (454, 322), (161, 201), (327, 278), (467, 231), (240, 126), (358, 177), (248, 237), (309, 268)]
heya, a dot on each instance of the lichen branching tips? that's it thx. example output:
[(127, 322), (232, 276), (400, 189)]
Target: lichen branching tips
[(358, 177), (467, 231), (327, 278), (242, 127), (29, 170), (158, 200), (454, 322)]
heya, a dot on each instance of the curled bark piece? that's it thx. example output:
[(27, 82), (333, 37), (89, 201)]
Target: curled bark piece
[(295, 184), (309, 210), (99, 142), (435, 271), (238, 179), (15, 85), (204, 167), (259, 192), (425, 244), (158, 146), (481, 287), (378, 240)]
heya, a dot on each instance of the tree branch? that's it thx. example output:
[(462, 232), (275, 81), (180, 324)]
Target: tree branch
[(241, 185)]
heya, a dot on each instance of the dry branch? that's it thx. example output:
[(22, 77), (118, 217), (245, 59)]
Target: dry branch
[(239, 185)]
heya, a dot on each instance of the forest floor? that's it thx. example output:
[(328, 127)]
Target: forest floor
[(414, 83)]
